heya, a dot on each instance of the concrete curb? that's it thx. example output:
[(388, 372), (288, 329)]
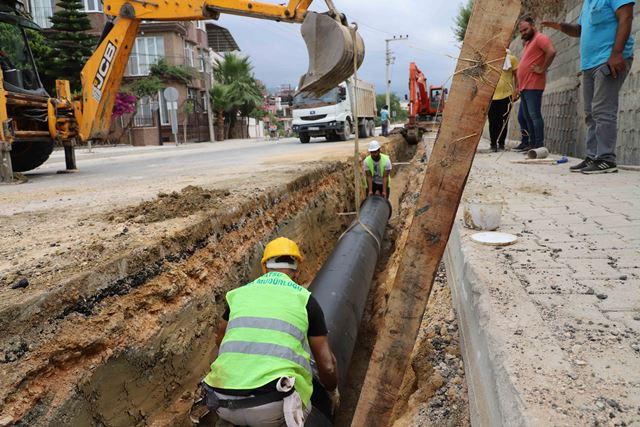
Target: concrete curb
[(493, 398)]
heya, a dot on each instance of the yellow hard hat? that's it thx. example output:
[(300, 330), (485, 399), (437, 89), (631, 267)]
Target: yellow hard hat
[(280, 247)]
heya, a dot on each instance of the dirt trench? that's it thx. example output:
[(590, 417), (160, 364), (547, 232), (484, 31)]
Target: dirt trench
[(434, 391), (125, 344), (124, 341)]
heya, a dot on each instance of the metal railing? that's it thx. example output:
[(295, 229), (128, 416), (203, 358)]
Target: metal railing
[(140, 121)]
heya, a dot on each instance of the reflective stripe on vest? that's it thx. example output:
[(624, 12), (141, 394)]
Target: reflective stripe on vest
[(263, 349), (382, 162), (266, 337), (273, 324)]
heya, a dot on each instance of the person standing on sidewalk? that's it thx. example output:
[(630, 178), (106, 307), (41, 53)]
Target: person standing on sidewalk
[(606, 54), (524, 131), (537, 56), (500, 107)]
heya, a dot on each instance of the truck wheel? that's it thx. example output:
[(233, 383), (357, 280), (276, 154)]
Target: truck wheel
[(29, 154), (363, 130), (372, 128), (344, 136), (305, 138)]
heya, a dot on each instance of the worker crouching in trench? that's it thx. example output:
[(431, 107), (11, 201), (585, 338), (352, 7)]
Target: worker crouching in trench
[(271, 329), (377, 171)]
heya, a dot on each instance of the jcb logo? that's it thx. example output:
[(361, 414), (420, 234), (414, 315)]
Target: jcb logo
[(105, 65)]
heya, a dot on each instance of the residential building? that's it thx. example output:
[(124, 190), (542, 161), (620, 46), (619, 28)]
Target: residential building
[(280, 105), (182, 43)]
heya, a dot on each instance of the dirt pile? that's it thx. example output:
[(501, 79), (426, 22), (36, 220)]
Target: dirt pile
[(176, 204)]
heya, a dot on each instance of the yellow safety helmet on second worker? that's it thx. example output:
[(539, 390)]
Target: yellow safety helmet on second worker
[(280, 247)]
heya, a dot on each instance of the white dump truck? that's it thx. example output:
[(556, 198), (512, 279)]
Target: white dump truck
[(331, 116)]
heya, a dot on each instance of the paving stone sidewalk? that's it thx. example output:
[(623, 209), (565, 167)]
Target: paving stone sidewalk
[(561, 307)]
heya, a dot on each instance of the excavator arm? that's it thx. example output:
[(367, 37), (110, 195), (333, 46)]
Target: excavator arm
[(418, 103), (329, 41), (418, 89)]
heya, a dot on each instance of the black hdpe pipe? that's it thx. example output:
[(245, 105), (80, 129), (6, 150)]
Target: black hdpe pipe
[(341, 288)]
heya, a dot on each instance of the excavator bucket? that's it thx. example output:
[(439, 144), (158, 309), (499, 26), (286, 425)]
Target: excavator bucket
[(331, 51)]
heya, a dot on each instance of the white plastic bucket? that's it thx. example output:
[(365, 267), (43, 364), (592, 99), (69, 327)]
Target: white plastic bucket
[(482, 215)]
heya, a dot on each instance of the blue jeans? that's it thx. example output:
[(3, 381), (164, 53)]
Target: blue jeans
[(532, 109), (524, 130)]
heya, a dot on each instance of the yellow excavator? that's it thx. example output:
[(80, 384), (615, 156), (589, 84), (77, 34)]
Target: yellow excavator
[(32, 121)]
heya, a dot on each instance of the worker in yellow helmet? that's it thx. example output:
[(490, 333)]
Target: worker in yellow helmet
[(262, 376), (377, 171)]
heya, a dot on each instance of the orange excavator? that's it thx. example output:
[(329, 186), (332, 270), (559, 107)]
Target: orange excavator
[(424, 107)]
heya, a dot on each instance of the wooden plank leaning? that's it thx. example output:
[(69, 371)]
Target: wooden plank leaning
[(489, 33)]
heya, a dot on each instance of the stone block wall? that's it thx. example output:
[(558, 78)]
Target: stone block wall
[(562, 104)]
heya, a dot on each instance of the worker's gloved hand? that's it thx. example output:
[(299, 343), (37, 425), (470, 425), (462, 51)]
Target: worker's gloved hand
[(335, 399)]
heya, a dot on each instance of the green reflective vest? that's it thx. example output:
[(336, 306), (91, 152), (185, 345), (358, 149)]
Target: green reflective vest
[(266, 337), (383, 161)]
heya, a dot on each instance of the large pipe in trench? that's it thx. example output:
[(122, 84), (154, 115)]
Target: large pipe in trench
[(341, 288)]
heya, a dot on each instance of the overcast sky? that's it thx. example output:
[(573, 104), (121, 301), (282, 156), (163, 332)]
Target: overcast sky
[(279, 54)]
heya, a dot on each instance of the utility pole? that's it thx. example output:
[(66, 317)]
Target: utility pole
[(389, 61)]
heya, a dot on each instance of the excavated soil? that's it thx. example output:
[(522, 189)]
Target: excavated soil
[(434, 390), (188, 201), (121, 330), (124, 343)]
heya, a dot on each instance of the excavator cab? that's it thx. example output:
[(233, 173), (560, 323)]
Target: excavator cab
[(331, 46), (16, 60), (26, 126)]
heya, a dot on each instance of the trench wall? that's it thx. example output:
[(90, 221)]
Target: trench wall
[(135, 357)]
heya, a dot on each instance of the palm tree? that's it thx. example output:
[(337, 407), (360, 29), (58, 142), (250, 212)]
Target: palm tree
[(221, 103), (235, 90)]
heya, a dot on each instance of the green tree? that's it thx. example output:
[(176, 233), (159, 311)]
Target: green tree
[(462, 20), (235, 90), (71, 44), (381, 100), (14, 50), (42, 54), (167, 72), (221, 102)]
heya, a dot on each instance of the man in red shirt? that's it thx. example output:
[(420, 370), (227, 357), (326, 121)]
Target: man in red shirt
[(537, 56)]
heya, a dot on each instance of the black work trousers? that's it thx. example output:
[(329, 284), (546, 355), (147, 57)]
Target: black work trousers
[(377, 189), (498, 121)]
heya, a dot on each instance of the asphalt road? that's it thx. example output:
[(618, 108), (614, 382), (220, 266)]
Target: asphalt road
[(116, 175)]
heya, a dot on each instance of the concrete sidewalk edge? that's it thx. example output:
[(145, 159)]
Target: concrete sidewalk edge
[(493, 399)]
